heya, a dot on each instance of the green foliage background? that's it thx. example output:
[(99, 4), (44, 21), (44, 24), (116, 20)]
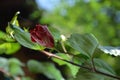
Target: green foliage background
[(100, 17)]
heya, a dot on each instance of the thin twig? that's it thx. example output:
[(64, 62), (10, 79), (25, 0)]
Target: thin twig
[(51, 55), (109, 75), (96, 71), (55, 56)]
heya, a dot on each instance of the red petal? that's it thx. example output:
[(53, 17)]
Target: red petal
[(32, 39), (41, 35)]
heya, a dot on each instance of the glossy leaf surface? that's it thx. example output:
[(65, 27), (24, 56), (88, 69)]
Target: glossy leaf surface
[(86, 43)]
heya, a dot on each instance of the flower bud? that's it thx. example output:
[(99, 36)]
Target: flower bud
[(42, 36)]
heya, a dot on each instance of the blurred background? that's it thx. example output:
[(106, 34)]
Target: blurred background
[(81, 16), (99, 17)]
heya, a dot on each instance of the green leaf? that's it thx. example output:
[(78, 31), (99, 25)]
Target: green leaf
[(55, 33), (103, 66), (7, 44), (80, 58), (15, 67), (16, 70), (5, 38), (26, 78), (9, 48), (73, 69), (4, 63), (23, 38), (86, 75), (11, 66), (100, 65), (60, 62), (110, 50), (86, 43), (46, 68)]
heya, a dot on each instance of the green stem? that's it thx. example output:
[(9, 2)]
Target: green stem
[(63, 47), (93, 65)]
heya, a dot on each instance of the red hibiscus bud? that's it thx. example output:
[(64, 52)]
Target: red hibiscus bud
[(42, 36)]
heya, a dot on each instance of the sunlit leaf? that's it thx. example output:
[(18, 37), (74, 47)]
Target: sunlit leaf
[(110, 50), (7, 44), (46, 68), (9, 48), (5, 38), (86, 43)]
